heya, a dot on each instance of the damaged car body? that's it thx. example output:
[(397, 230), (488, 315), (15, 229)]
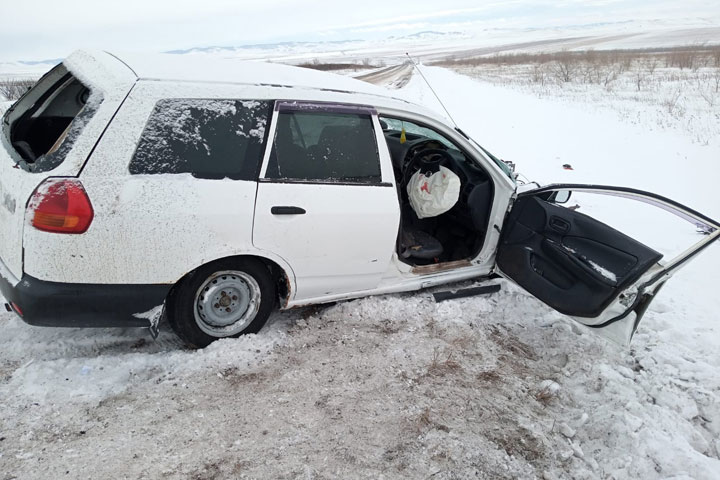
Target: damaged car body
[(224, 190)]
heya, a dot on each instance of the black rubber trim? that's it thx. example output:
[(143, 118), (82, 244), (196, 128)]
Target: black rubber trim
[(305, 106), (466, 292), (55, 304), (325, 182)]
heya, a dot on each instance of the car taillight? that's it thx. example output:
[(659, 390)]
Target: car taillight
[(17, 309), (61, 205)]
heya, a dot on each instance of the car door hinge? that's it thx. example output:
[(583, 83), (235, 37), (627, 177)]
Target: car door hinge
[(511, 202)]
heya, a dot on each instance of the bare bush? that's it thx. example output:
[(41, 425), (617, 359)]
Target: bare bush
[(626, 63), (682, 59), (14, 88), (639, 79), (671, 102), (709, 96), (609, 76), (591, 72), (651, 66), (565, 68), (708, 87), (539, 74)]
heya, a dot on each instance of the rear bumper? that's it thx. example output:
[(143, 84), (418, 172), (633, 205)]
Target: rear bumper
[(80, 305)]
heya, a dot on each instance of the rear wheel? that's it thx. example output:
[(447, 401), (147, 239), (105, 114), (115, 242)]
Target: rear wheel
[(223, 299)]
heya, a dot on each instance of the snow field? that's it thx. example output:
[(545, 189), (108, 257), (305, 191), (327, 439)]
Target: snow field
[(643, 92)]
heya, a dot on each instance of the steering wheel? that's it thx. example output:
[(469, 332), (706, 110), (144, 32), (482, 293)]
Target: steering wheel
[(25, 151), (425, 160)]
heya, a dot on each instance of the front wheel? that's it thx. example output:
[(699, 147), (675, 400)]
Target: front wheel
[(223, 299)]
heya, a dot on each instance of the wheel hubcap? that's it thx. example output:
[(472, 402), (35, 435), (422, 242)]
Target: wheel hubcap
[(226, 303)]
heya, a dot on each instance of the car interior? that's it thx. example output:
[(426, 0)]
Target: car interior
[(457, 234), (41, 129)]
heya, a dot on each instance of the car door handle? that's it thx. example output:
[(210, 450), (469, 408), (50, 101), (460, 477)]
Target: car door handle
[(283, 210), (560, 225)]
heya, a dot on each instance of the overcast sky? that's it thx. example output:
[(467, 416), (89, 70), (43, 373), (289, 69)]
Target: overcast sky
[(44, 29)]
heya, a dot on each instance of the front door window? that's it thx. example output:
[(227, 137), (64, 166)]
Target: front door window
[(325, 146)]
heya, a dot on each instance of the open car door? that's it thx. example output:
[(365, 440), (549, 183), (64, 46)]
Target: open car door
[(584, 268)]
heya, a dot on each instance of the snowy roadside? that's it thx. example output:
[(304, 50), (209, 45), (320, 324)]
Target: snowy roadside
[(397, 386), (394, 386), (4, 105)]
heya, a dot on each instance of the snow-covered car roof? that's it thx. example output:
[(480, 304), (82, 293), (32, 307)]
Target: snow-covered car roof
[(106, 70)]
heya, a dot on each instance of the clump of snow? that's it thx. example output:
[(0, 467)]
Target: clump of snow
[(152, 316), (603, 271)]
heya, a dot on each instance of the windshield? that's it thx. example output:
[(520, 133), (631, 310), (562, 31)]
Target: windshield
[(413, 129), (503, 165)]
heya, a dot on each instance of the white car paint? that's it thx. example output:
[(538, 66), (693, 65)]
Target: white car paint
[(16, 186), (141, 212)]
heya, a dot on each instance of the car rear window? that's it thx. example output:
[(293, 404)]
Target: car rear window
[(206, 138), (43, 125), (325, 147)]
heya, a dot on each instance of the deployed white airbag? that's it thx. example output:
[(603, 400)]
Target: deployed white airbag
[(434, 194)]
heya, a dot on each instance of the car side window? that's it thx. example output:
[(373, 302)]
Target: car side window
[(207, 138), (324, 146)]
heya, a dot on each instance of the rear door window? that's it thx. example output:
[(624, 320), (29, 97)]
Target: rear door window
[(206, 138), (324, 144)]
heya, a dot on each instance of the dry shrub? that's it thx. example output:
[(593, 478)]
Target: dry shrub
[(489, 376), (14, 88), (545, 395), (424, 422), (440, 366)]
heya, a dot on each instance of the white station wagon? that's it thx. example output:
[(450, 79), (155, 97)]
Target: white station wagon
[(217, 191)]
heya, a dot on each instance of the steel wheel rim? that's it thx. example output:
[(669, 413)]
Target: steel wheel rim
[(226, 303)]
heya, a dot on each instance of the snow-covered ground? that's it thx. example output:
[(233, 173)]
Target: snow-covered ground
[(398, 386), (643, 90)]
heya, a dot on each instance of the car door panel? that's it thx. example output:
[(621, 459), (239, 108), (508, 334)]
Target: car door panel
[(574, 261), (326, 200), (342, 243), (584, 268)]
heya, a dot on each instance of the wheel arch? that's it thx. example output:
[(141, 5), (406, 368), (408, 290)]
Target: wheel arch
[(280, 272)]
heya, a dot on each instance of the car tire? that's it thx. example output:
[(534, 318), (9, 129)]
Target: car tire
[(224, 299)]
